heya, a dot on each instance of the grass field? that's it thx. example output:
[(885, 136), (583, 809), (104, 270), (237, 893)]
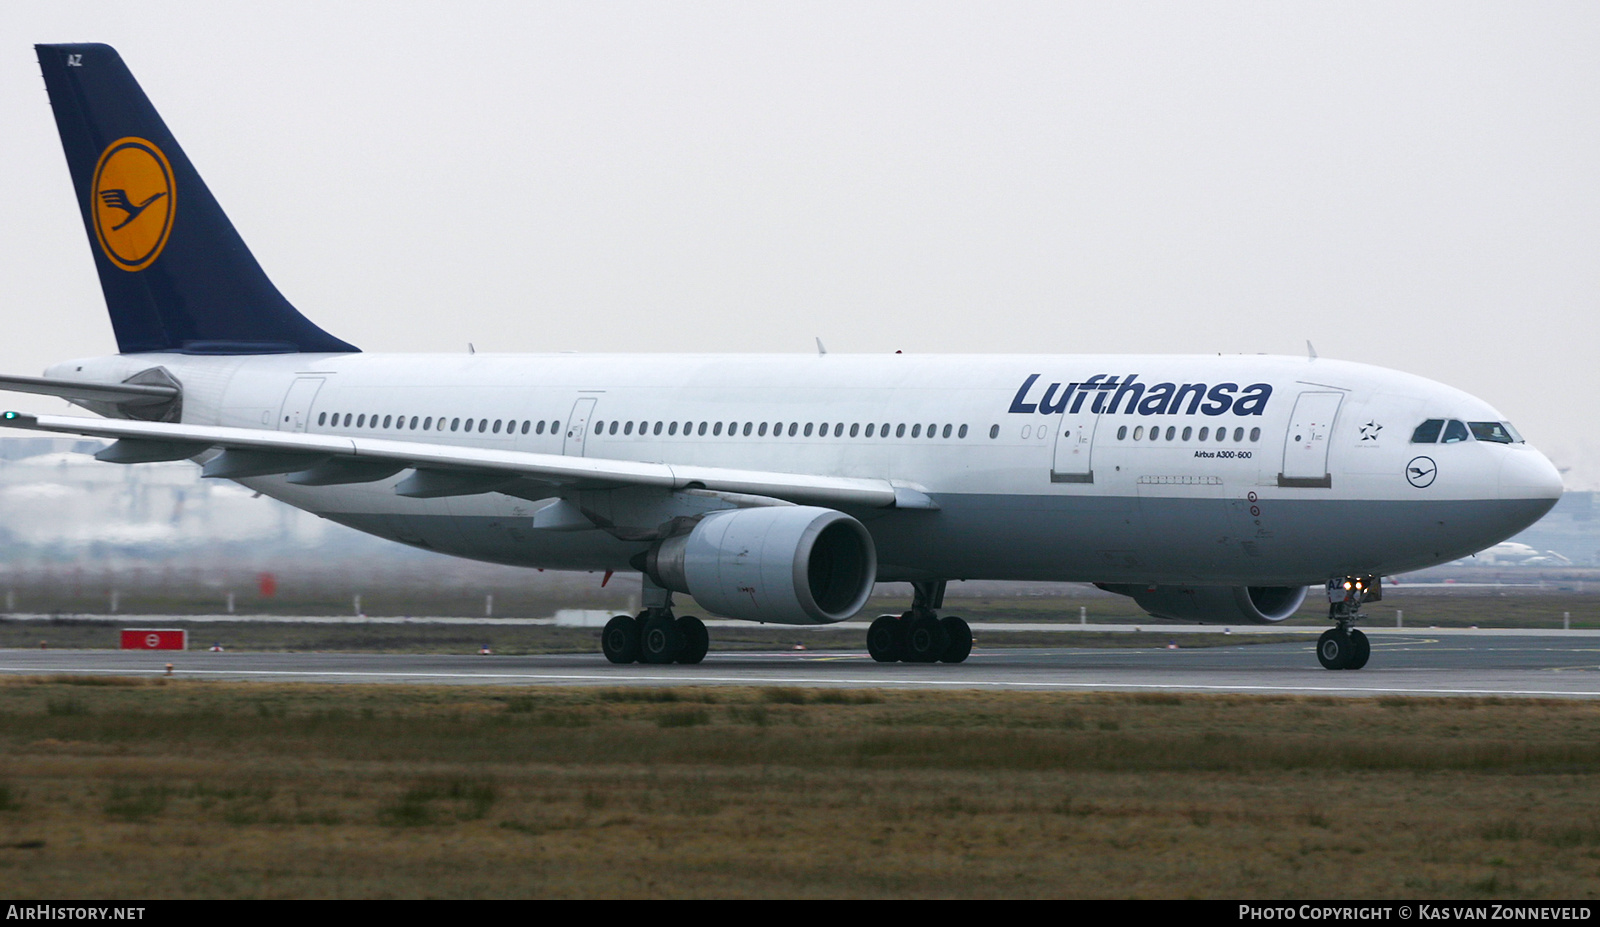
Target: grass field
[(174, 788)]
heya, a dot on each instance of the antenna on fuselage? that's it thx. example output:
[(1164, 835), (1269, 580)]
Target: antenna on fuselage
[(1310, 351), (820, 349)]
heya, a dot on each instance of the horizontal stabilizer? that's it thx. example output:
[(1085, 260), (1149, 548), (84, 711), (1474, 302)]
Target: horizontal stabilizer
[(122, 394)]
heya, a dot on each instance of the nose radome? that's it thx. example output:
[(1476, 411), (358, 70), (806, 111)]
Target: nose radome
[(1528, 474)]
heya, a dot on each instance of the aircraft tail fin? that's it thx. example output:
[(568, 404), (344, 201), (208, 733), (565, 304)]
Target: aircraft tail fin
[(176, 275)]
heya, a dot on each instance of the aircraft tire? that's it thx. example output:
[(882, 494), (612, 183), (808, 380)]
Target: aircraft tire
[(659, 640), (926, 640), (1334, 649), (620, 639), (883, 639), (696, 639), (1360, 650), (959, 634)]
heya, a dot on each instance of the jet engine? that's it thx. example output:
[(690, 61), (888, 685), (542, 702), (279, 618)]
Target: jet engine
[(788, 564), (1215, 604)]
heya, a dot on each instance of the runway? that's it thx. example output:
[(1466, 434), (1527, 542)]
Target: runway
[(1422, 663)]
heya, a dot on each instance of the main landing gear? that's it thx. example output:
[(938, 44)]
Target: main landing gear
[(1345, 647), (920, 635), (656, 635)]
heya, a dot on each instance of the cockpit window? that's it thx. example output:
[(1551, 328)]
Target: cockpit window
[(1498, 432), (1454, 431), (1428, 431)]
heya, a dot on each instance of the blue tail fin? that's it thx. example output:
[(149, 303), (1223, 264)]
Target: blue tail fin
[(176, 275)]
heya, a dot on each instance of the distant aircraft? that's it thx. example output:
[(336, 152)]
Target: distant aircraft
[(1514, 553), (770, 488)]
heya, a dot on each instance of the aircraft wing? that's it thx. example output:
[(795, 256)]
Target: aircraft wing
[(445, 470)]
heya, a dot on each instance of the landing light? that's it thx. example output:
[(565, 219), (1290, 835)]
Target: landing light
[(9, 415)]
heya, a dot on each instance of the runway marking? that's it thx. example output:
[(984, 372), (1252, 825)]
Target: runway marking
[(807, 681)]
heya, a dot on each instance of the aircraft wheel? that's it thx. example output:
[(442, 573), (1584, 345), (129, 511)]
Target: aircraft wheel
[(1360, 650), (1334, 649), (620, 640), (660, 640), (696, 640), (959, 634), (926, 640), (883, 639)]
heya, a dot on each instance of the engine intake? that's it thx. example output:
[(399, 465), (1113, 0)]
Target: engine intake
[(791, 564), (1216, 604)]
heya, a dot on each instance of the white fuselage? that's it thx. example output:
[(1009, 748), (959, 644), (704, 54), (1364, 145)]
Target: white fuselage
[(1221, 470)]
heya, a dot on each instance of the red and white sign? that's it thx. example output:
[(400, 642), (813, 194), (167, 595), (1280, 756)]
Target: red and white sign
[(155, 639)]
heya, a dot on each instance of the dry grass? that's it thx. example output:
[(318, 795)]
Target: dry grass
[(158, 788)]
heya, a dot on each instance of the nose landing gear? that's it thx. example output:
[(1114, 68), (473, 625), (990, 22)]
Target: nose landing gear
[(920, 635), (1345, 647)]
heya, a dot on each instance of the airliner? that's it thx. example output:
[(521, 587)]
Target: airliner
[(773, 488)]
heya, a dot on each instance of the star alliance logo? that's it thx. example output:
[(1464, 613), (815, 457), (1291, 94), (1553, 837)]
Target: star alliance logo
[(1369, 431)]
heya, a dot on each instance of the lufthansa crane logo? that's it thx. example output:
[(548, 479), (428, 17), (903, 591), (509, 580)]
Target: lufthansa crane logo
[(132, 202), (1421, 471)]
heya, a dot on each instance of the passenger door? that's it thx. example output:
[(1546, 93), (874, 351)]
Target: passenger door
[(1305, 447), (296, 411), (1074, 448), (578, 426)]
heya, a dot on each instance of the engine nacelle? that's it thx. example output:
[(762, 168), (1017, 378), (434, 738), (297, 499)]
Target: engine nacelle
[(786, 564), (1216, 604)]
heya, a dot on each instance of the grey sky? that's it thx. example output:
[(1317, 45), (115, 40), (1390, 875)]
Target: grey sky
[(1412, 185)]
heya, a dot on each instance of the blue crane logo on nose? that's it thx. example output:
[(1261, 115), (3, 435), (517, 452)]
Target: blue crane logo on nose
[(1421, 471)]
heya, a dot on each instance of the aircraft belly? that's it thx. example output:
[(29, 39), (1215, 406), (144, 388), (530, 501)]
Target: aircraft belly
[(1062, 539)]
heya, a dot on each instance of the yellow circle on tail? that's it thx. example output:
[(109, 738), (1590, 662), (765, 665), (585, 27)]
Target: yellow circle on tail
[(132, 201)]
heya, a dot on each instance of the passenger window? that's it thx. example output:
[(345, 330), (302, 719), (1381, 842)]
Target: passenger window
[(838, 430), (808, 429), (872, 429), (656, 430), (1172, 432), (1155, 433), (793, 427), (855, 429), (1122, 433), (1255, 435), (497, 426), (1222, 434), (672, 428), (347, 420), (1204, 433), (916, 431), (483, 424), (1238, 435), (994, 432), (702, 430), (427, 423), (716, 430), (1428, 431), (627, 429), (900, 430), (538, 429), (746, 431), (555, 426), (361, 421), (1491, 431), (1454, 432), (322, 419), (386, 421), (1138, 432), (762, 431), (455, 423), (1186, 432), (599, 427), (961, 434)]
